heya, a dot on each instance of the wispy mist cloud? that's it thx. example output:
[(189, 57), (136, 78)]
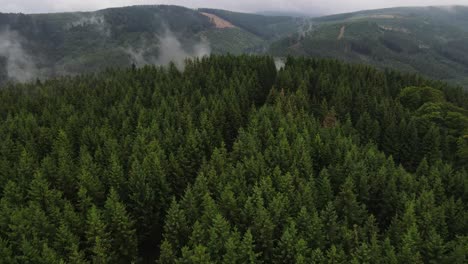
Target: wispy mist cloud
[(20, 65), (97, 21), (169, 49), (279, 63)]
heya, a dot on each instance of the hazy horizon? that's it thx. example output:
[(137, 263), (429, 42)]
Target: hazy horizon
[(298, 6)]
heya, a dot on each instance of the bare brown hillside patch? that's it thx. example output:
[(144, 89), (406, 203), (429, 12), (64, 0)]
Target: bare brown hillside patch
[(342, 32), (218, 22)]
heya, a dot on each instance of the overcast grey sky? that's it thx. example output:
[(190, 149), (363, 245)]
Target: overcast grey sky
[(303, 6)]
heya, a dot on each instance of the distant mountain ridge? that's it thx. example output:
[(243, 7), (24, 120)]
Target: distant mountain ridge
[(432, 41), (290, 13), (48, 45)]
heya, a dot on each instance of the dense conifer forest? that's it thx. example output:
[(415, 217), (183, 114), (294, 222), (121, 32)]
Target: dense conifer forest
[(232, 161)]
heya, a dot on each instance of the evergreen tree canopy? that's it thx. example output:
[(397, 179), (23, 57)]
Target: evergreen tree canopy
[(232, 161)]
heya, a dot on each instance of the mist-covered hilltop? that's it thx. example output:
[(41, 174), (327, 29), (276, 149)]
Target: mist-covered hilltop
[(432, 41), (55, 44), (48, 45)]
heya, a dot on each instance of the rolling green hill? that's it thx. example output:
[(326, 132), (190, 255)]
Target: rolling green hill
[(53, 44), (432, 41), (48, 45)]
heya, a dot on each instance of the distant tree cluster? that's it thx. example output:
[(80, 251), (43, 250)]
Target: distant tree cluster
[(232, 161)]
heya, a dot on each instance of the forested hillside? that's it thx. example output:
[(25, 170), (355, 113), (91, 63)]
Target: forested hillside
[(41, 46), (49, 45), (431, 41), (231, 161)]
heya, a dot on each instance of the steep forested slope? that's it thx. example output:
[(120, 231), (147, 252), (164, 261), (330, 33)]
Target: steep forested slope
[(431, 41), (45, 45), (231, 161), (50, 45)]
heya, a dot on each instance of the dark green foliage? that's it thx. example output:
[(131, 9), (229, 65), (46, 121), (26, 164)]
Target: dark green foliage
[(231, 161), (415, 97)]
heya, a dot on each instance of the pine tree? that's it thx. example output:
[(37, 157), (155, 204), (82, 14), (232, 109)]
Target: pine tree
[(329, 220), (115, 174), (40, 192), (232, 246), (347, 204), (198, 255), (318, 256), (335, 255), (65, 165), (48, 255), (25, 168), (199, 235), (302, 252), (88, 180), (362, 254), (433, 248), (219, 234), (97, 237), (409, 252), (76, 256), (388, 253), (262, 230), (311, 228), (325, 194), (148, 193), (65, 242), (247, 248), (167, 254), (121, 230), (100, 251), (286, 249), (175, 228)]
